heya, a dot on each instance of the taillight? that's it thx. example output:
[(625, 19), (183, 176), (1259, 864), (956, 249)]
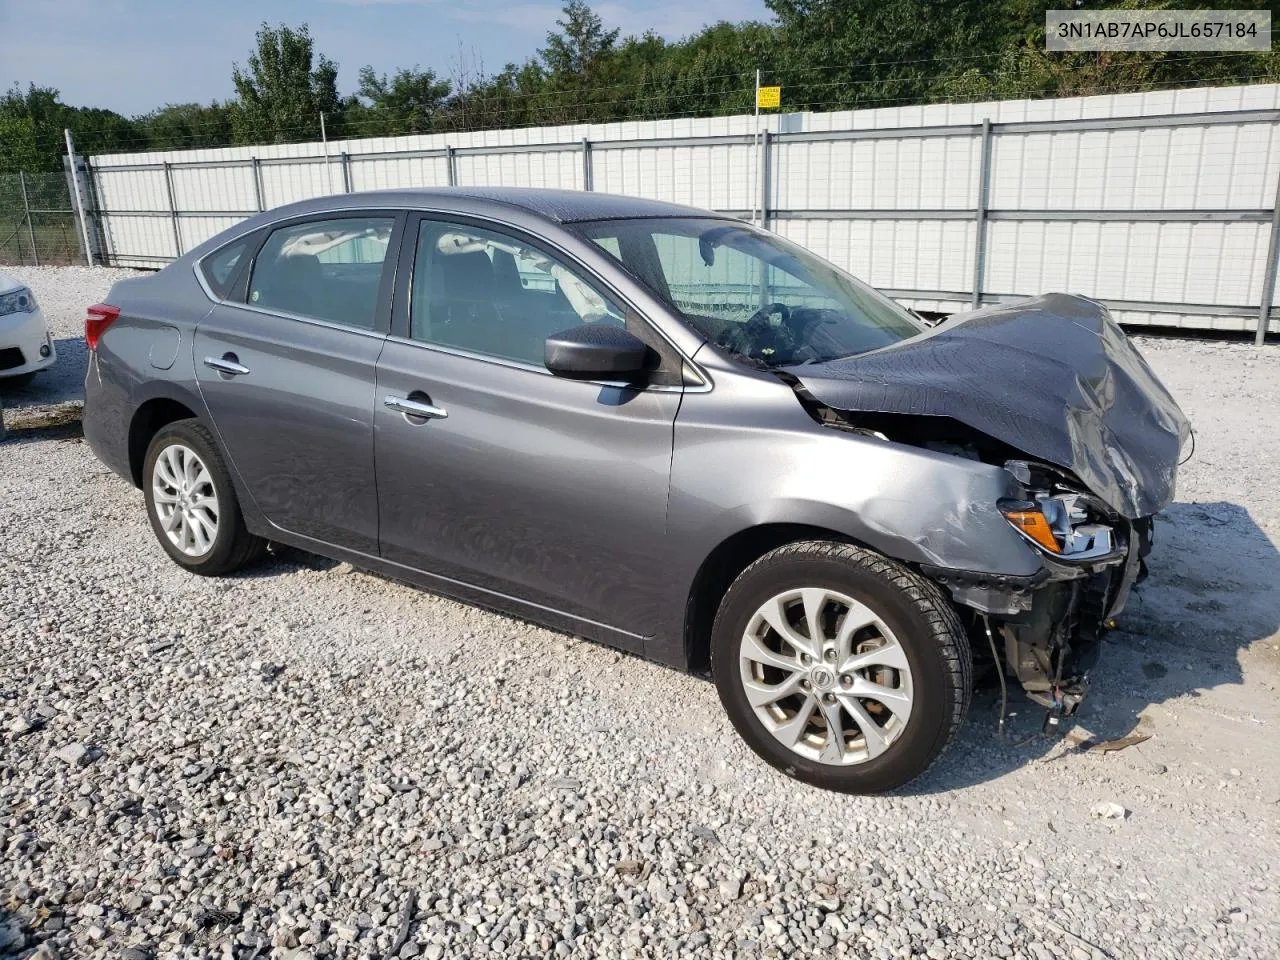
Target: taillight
[(100, 316)]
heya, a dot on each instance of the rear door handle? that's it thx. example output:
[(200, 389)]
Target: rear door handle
[(227, 364), (415, 408)]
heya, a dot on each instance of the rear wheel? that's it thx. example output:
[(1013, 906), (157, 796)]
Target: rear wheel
[(840, 667), (192, 504)]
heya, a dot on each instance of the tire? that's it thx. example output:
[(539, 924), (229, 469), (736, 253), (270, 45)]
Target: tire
[(211, 549), (908, 647)]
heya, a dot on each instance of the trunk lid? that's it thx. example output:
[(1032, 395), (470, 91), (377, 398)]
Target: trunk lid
[(1053, 377)]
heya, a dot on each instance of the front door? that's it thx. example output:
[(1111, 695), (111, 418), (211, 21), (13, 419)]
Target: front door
[(495, 473), (288, 375)]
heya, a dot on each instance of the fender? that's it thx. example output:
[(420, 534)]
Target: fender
[(913, 505)]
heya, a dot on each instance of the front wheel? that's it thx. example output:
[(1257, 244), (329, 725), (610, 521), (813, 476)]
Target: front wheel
[(192, 504), (840, 667)]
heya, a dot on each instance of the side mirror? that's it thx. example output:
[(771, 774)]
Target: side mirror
[(596, 351)]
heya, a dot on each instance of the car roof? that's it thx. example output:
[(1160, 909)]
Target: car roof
[(560, 206)]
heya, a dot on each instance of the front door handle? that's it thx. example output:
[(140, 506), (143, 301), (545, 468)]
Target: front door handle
[(227, 364), (417, 409)]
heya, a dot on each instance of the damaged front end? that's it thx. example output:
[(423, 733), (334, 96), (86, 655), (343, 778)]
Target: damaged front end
[(1052, 391), (1049, 626)]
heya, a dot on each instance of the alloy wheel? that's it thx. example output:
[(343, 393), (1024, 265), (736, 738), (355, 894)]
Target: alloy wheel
[(826, 676), (186, 502)]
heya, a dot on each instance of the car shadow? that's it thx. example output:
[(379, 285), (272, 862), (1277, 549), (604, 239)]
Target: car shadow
[(61, 383), (282, 559), (1211, 595), (15, 933)]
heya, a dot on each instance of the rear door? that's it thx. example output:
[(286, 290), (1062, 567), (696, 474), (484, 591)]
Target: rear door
[(287, 363), (547, 490)]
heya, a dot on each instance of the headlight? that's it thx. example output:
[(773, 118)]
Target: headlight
[(1060, 525), (21, 300)]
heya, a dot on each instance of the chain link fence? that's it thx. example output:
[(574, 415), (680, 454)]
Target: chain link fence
[(38, 224)]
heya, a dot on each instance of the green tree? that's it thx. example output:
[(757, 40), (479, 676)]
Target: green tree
[(284, 89), (826, 54), (710, 72), (32, 124), (514, 97), (869, 53), (409, 101), (578, 53), (18, 147), (187, 126)]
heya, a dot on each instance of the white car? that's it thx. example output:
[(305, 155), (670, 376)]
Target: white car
[(25, 344)]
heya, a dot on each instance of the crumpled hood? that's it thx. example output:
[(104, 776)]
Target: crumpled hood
[(1054, 377), (8, 282)]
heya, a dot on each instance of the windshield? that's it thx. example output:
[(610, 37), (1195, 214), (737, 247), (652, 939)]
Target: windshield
[(761, 298)]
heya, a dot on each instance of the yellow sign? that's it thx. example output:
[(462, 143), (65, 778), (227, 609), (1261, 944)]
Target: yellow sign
[(768, 97)]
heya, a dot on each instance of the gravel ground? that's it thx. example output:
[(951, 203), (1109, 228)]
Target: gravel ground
[(305, 760)]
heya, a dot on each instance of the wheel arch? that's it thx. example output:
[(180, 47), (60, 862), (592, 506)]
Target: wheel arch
[(723, 565), (148, 419)]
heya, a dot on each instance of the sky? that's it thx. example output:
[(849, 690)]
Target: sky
[(132, 56)]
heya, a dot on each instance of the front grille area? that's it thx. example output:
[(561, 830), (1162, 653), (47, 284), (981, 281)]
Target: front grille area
[(11, 357)]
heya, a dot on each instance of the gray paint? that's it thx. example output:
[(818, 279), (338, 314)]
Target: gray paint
[(165, 343), (299, 425), (549, 489), (585, 506)]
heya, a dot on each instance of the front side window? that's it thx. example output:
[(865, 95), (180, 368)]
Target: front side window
[(764, 300), (326, 269), (492, 293)]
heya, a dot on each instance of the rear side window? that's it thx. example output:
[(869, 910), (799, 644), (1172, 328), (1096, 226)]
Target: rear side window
[(219, 268), (326, 269)]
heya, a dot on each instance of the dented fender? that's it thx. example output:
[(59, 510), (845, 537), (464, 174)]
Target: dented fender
[(761, 459)]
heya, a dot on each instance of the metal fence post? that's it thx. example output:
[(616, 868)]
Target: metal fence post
[(93, 212), (75, 187), (26, 207), (173, 208), (451, 166), (257, 182), (1269, 277), (346, 171), (588, 181), (766, 173), (980, 215)]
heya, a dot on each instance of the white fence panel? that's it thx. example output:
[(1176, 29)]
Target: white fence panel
[(913, 173), (195, 230), (1198, 263), (226, 189), (132, 190), (149, 240), (386, 173), (559, 169), (715, 177), (1173, 168), (289, 182), (894, 254), (1161, 203)]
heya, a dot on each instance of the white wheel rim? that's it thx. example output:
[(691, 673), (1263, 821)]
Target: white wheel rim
[(185, 500), (825, 676)]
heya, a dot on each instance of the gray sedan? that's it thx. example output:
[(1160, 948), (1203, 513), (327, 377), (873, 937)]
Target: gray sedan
[(659, 428)]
